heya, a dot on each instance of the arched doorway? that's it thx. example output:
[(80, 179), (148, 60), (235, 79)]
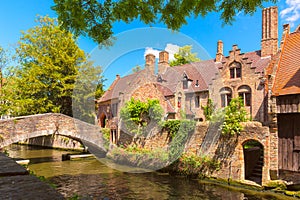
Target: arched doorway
[(253, 160), (102, 120)]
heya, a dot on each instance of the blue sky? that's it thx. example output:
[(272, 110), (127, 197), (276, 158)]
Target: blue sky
[(203, 33)]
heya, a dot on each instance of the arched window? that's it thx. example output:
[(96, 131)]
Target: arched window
[(226, 96), (185, 81), (235, 70), (245, 93), (179, 100), (197, 101)]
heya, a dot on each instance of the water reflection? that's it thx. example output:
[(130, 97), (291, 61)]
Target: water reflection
[(90, 179)]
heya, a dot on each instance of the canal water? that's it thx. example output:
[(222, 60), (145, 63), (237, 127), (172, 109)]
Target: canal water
[(90, 179)]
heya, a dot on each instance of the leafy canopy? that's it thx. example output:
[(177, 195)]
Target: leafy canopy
[(137, 115), (234, 114), (96, 18), (184, 56), (49, 62), (4, 60)]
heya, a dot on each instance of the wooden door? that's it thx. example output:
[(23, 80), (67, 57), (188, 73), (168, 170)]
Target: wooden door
[(289, 142)]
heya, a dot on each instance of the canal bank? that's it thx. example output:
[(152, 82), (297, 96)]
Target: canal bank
[(17, 183), (91, 179)]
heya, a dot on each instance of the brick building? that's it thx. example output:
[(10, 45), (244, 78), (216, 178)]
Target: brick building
[(267, 80), (187, 88)]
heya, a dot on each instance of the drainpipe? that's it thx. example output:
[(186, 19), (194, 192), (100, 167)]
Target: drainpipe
[(228, 180)]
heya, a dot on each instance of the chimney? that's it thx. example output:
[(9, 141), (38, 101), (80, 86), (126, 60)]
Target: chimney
[(286, 31), (163, 62), (219, 51), (117, 76), (269, 41), (150, 63)]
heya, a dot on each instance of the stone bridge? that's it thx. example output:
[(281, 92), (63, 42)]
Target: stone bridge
[(20, 128)]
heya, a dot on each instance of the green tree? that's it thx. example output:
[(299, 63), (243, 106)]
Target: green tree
[(137, 115), (49, 62), (234, 114), (95, 18), (4, 60), (184, 56), (136, 69)]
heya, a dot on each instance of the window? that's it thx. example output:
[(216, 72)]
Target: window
[(185, 82), (114, 108), (197, 83), (159, 79), (245, 93), (226, 96), (235, 70), (197, 101), (179, 102)]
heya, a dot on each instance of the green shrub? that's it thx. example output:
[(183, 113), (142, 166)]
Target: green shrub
[(137, 115), (208, 109), (234, 114), (179, 131), (106, 136), (192, 164)]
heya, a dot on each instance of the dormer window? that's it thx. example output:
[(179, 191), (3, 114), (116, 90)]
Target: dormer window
[(235, 70), (197, 83), (159, 79), (185, 82)]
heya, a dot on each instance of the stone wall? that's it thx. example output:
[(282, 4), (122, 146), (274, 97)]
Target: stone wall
[(228, 150)]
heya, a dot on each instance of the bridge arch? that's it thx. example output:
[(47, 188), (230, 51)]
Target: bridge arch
[(18, 129)]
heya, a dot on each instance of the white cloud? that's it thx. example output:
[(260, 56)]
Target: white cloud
[(291, 14), (171, 48), (150, 50)]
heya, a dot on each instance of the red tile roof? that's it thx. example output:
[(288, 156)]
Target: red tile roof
[(287, 79), (203, 71), (164, 90)]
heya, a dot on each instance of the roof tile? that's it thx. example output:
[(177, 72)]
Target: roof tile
[(287, 79)]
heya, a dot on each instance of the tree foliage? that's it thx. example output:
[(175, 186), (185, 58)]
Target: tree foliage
[(184, 56), (49, 62), (208, 109), (4, 60), (234, 114), (96, 18), (137, 115), (136, 69)]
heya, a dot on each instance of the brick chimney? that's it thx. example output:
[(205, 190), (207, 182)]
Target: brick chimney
[(269, 41), (219, 54), (163, 62), (286, 31), (150, 63)]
